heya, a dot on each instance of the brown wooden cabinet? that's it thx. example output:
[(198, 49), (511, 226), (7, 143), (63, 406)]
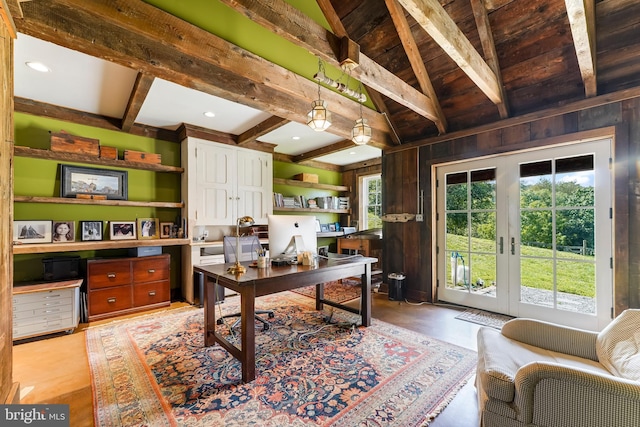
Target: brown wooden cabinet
[(117, 286), (364, 247)]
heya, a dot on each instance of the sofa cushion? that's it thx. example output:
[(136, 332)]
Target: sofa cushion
[(618, 346), (500, 358)]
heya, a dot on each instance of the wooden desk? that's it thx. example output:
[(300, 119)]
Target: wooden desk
[(363, 246), (258, 282)]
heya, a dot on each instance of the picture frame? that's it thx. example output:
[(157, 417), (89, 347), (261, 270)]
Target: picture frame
[(76, 181), (148, 228), (323, 251), (122, 230), (166, 230), (31, 231), (324, 228), (332, 227), (63, 231), (91, 230)]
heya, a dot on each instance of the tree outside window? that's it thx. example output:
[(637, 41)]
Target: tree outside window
[(371, 202)]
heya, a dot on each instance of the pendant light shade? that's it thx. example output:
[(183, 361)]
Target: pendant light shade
[(319, 118), (361, 132)]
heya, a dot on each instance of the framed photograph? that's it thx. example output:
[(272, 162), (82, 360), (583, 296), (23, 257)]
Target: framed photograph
[(75, 181), (90, 230), (323, 251), (332, 227), (26, 232), (122, 230), (63, 231), (166, 230), (324, 228), (148, 228)]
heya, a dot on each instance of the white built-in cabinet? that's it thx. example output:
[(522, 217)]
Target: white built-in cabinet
[(225, 182), (221, 183)]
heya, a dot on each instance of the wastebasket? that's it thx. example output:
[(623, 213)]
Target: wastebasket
[(198, 290), (396, 286)]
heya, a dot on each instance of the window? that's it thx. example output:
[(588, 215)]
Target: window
[(371, 202)]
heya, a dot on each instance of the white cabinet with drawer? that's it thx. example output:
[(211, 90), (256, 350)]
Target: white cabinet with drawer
[(45, 308)]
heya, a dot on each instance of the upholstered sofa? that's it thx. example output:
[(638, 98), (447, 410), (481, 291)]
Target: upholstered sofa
[(534, 373)]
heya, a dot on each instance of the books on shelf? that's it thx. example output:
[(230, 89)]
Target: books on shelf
[(325, 202)]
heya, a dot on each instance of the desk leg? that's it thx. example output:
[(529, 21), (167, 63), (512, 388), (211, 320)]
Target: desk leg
[(248, 331), (209, 312), (365, 298), (319, 296)]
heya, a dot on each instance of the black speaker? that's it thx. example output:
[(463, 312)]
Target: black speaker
[(61, 268)]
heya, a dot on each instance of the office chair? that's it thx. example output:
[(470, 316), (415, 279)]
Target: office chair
[(247, 252)]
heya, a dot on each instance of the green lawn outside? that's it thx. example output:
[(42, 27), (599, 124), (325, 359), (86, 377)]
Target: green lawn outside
[(575, 273)]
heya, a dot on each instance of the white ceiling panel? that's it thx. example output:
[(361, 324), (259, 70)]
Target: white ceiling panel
[(168, 105), (76, 81)]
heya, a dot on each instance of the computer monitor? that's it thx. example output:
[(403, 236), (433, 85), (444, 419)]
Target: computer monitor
[(288, 232)]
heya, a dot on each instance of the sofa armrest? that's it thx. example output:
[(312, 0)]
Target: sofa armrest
[(576, 342), (553, 394)]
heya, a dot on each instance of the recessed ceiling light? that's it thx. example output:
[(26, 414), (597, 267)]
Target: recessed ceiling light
[(295, 138), (209, 114), (352, 152), (38, 66)]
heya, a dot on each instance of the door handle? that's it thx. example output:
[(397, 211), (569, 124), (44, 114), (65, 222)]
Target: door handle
[(501, 245), (513, 246)]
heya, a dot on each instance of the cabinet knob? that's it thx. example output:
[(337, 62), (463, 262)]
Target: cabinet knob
[(111, 275), (111, 300), (152, 293), (151, 270)]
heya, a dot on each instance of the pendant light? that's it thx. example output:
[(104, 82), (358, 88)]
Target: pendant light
[(361, 132), (319, 118)]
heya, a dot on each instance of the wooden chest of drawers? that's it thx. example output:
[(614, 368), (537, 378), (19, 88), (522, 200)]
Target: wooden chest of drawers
[(117, 286), (45, 308)]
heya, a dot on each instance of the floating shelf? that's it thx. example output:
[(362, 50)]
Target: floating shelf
[(37, 153), (304, 184), (70, 201), (90, 246), (312, 210)]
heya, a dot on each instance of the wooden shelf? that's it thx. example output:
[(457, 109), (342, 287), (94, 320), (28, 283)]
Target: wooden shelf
[(312, 210), (90, 246), (331, 234), (304, 184), (37, 153), (70, 201)]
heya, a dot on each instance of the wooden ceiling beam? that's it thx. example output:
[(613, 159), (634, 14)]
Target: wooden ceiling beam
[(489, 48), (286, 21), (7, 9), (416, 60), (443, 30), (139, 36), (263, 128), (329, 149), (581, 14), (136, 99)]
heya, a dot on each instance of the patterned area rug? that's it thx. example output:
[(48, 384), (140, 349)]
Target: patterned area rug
[(154, 371), (484, 318), (338, 291)]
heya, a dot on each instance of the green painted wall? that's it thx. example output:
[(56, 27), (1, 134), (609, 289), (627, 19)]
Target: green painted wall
[(37, 177)]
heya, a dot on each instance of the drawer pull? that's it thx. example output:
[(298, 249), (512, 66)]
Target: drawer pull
[(151, 271), (52, 296), (111, 275), (152, 293), (111, 300)]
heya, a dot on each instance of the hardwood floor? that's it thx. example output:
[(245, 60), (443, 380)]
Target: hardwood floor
[(56, 370)]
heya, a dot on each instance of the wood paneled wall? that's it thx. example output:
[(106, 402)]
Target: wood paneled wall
[(408, 247), (7, 391)]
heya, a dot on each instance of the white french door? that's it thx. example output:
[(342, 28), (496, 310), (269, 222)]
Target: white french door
[(529, 234)]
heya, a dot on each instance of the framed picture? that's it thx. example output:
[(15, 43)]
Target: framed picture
[(166, 230), (324, 228), (332, 227), (323, 251), (26, 232), (75, 181), (63, 231), (122, 230), (148, 228), (90, 230)]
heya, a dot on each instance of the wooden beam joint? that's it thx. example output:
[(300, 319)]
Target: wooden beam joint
[(349, 55)]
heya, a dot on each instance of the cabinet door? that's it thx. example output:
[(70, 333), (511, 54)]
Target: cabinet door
[(215, 184), (255, 185)]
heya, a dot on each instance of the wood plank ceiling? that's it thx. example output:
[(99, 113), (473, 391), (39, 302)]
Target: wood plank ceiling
[(431, 67)]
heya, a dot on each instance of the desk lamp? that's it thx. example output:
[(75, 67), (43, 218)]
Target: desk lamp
[(238, 269)]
